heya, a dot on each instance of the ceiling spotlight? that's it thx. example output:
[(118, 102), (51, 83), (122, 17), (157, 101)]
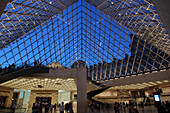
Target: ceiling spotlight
[(165, 81), (112, 3), (3, 42), (50, 2)]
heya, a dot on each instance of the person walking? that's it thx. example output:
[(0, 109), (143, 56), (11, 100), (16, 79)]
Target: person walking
[(66, 107), (62, 107), (70, 108), (40, 108), (124, 107), (5, 70), (33, 108), (36, 108), (160, 107), (0, 69), (55, 105), (47, 108), (116, 107), (51, 107), (132, 109), (13, 108)]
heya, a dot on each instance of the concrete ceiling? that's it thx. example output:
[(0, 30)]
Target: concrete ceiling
[(163, 9), (46, 83), (39, 83), (141, 78), (3, 3)]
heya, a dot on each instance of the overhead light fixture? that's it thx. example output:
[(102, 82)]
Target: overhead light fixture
[(159, 82), (50, 2), (3, 42), (165, 81)]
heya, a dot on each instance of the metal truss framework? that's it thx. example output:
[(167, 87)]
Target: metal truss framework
[(94, 31)]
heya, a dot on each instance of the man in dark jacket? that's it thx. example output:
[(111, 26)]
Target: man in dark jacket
[(132, 109), (160, 108)]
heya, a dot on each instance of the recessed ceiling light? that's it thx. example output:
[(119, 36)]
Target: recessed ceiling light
[(3, 42), (159, 82), (165, 81), (50, 2), (152, 83)]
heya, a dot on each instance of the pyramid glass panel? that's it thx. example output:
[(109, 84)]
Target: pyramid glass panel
[(112, 38)]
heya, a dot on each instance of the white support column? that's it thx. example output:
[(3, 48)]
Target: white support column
[(81, 90)]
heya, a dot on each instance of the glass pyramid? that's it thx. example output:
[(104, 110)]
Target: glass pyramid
[(114, 38)]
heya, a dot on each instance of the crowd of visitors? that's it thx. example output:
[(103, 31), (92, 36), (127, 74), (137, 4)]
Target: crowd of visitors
[(12, 68), (68, 107), (6, 70), (95, 107), (116, 106), (123, 107), (50, 108)]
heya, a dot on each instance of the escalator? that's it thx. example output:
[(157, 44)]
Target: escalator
[(96, 92)]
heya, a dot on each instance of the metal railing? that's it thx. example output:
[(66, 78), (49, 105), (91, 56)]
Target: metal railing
[(17, 68)]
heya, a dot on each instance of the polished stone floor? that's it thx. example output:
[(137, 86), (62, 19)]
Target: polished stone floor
[(147, 109)]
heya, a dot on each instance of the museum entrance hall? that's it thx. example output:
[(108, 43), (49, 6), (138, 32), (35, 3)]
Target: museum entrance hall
[(84, 56)]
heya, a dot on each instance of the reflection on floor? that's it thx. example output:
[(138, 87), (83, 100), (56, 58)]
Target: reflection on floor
[(147, 109)]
